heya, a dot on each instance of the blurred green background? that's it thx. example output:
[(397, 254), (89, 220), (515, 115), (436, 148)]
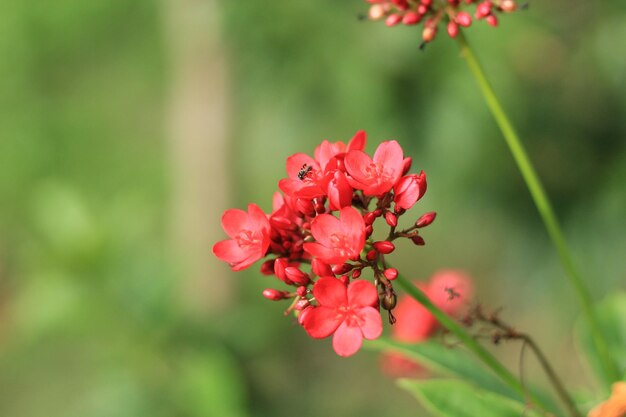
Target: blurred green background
[(126, 128)]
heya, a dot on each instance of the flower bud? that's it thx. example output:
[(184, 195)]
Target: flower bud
[(483, 9), (418, 240), (411, 18), (267, 267), (391, 219), (389, 301), (426, 2), (356, 273), (274, 295), (369, 230), (406, 164), (341, 269), (301, 291), (393, 19), (384, 246), (453, 29), (301, 304), (369, 218), (464, 19), (425, 219), (429, 32), (492, 20), (305, 207), (296, 276), (422, 9), (371, 255), (508, 6), (390, 273), (376, 12)]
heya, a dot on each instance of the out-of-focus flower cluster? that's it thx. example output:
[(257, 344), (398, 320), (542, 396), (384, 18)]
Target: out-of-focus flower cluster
[(318, 237), (451, 291), (452, 13)]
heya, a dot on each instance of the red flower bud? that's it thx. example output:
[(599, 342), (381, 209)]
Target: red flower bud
[(321, 269), (267, 267), (356, 273), (301, 291), (411, 18), (296, 276), (371, 255), (384, 246), (418, 240), (302, 304), (483, 9), (464, 19), (390, 273), (426, 2), (377, 12), (391, 219), (453, 29), (369, 218), (508, 6), (274, 295), (341, 269), (425, 219), (429, 32), (369, 230), (492, 20), (408, 161), (422, 9), (393, 19)]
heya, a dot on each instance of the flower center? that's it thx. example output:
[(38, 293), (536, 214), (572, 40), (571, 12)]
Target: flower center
[(340, 244), (351, 318), (247, 239)]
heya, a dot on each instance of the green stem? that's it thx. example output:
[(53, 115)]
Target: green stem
[(545, 209), (475, 347)]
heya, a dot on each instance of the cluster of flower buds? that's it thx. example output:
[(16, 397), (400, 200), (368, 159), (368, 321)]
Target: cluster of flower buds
[(451, 291), (454, 13), (319, 237)]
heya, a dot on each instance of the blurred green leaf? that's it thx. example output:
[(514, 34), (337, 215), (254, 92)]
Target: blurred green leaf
[(454, 398), (612, 315)]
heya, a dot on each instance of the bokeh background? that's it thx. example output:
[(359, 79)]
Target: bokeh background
[(127, 127)]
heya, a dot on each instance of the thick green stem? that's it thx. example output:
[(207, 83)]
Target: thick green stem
[(545, 209), (463, 336)]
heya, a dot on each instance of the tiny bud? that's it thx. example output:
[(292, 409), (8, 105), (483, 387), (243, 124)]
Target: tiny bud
[(301, 291), (371, 255), (296, 276), (390, 273), (377, 12), (393, 19), (429, 32), (391, 219), (411, 18), (369, 230), (341, 269), (492, 20), (377, 212), (406, 164), (344, 279), (267, 267), (302, 304), (453, 29), (356, 273), (483, 9), (274, 295), (425, 219), (369, 218), (418, 240), (389, 301), (321, 269), (508, 6), (464, 19), (384, 246), (422, 9)]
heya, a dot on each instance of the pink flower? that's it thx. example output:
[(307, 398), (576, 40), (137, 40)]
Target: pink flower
[(304, 179), (339, 191), (327, 151), (451, 291), (337, 239), (409, 190), (347, 312), (375, 176), (249, 237)]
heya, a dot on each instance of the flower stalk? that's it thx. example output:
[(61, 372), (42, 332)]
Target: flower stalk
[(457, 330), (544, 207)]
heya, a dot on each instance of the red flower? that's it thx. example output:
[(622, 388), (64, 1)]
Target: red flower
[(327, 151), (337, 239), (249, 237), (347, 312), (375, 176), (409, 190), (339, 191), (304, 179)]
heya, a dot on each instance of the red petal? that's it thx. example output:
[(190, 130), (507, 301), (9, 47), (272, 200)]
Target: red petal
[(353, 226), (347, 340), (324, 254), (229, 251), (323, 226), (257, 219), (249, 260), (356, 163), (233, 221), (372, 327), (362, 294), (389, 154), (325, 152), (295, 163), (330, 292), (277, 202), (321, 322), (358, 141)]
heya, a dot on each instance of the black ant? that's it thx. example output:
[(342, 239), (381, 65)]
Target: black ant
[(304, 171), (451, 293)]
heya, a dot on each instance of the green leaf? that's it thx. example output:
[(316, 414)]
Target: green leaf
[(454, 398), (611, 313)]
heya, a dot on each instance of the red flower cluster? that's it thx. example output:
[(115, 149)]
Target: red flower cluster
[(319, 237), (451, 291), (412, 12)]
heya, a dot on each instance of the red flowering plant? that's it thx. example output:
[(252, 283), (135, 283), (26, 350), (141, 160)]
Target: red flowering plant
[(318, 238)]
